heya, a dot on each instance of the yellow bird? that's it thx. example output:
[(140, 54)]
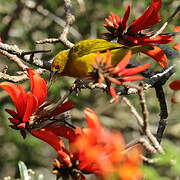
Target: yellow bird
[(77, 61)]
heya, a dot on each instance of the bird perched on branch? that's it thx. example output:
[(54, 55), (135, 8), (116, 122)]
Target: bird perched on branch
[(77, 61)]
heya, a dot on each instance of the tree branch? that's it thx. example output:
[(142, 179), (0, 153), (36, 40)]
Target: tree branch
[(69, 21), (163, 112)]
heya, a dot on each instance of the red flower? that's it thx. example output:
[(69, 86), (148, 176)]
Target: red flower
[(133, 35), (175, 85), (30, 107), (26, 103), (177, 45), (51, 135), (104, 71), (92, 150), (100, 151)]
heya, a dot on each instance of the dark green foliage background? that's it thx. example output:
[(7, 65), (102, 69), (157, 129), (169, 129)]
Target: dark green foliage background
[(30, 26)]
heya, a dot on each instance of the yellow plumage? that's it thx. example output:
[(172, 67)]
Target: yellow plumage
[(77, 61)]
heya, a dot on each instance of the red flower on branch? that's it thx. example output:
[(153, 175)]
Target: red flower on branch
[(92, 150), (175, 86), (66, 163), (105, 71), (132, 35), (30, 107), (102, 152)]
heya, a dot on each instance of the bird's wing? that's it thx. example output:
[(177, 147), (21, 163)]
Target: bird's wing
[(85, 47)]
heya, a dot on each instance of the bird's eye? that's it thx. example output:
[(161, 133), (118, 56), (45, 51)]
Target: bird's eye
[(57, 67)]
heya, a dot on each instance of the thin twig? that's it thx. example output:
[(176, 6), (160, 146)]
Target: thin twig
[(145, 114), (145, 143), (13, 78), (15, 59), (69, 21), (45, 12), (134, 112), (72, 89), (144, 109), (166, 23), (143, 122), (150, 161), (15, 50)]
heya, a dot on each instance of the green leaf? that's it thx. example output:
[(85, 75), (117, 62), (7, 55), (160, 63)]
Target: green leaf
[(151, 174), (23, 171)]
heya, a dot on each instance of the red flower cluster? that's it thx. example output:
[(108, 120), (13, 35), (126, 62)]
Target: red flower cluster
[(92, 150), (132, 35), (26, 103), (119, 74), (103, 153), (30, 107)]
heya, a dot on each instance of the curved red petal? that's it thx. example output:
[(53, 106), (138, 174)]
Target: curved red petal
[(125, 18), (160, 39), (68, 105), (31, 106), (12, 113), (135, 70), (54, 141), (115, 81), (17, 94), (113, 93), (132, 78), (38, 85), (92, 119), (22, 100), (49, 137), (158, 55), (175, 85), (149, 18), (123, 62), (14, 121), (63, 131)]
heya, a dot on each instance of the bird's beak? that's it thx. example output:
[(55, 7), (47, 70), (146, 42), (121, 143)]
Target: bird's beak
[(53, 75)]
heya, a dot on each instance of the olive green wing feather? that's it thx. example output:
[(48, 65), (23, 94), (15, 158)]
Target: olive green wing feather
[(88, 46)]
